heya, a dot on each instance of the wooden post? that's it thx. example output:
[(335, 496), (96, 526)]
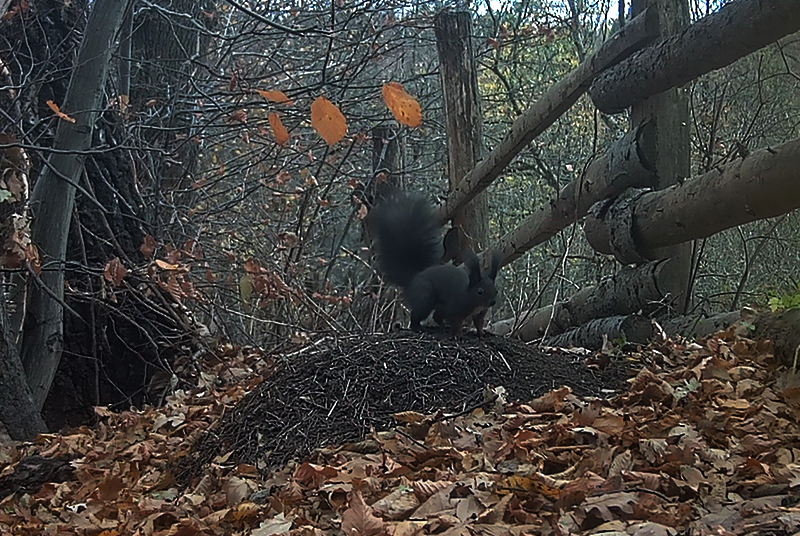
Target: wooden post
[(463, 120), (670, 112)]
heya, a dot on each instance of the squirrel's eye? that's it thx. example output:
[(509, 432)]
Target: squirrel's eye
[(480, 291)]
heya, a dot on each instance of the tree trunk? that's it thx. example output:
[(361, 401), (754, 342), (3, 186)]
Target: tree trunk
[(385, 162), (53, 197), (463, 119), (557, 100), (737, 29), (760, 186), (629, 162), (18, 411)]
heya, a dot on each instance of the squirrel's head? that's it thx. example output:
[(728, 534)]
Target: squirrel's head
[(482, 288)]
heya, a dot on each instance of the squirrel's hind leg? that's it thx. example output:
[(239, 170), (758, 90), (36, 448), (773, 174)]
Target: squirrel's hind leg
[(421, 299), (417, 316)]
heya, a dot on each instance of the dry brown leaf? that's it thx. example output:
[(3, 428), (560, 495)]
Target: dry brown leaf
[(236, 489), (328, 121), (277, 525), (358, 520), (411, 417), (404, 107), (408, 528), (610, 424), (275, 96), (54, 107), (551, 401), (109, 489), (313, 475), (278, 130), (115, 272), (397, 505), (148, 247), (166, 266)]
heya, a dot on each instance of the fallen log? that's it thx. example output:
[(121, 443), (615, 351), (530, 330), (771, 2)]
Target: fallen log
[(630, 329), (699, 326), (783, 329), (643, 288)]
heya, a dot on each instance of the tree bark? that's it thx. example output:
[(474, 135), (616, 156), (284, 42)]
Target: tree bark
[(737, 29), (385, 162), (783, 329), (463, 119), (697, 326), (557, 100), (631, 329), (643, 288), (762, 185), (53, 197), (18, 411), (629, 162)]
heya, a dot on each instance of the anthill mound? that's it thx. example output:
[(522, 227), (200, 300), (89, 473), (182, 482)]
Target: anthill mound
[(339, 388)]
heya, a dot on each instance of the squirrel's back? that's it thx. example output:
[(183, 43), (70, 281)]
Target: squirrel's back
[(406, 229)]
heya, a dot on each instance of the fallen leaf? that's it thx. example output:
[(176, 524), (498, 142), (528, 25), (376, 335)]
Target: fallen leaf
[(358, 520), (277, 525)]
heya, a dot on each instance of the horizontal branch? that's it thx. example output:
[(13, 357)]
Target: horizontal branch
[(762, 185), (738, 29)]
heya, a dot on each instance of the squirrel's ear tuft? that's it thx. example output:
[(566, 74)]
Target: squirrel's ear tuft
[(473, 265), (497, 260)]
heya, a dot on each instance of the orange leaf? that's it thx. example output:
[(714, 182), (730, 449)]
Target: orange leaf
[(404, 107), (109, 489), (115, 272), (280, 132), (328, 121), (53, 106), (275, 96)]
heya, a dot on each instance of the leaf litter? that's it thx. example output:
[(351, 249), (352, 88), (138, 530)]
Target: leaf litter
[(702, 440)]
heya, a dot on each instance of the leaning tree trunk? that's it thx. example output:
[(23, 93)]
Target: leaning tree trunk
[(53, 198)]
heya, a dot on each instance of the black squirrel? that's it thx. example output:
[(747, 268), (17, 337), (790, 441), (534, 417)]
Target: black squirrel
[(407, 232)]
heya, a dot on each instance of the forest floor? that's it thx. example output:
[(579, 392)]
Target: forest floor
[(675, 438)]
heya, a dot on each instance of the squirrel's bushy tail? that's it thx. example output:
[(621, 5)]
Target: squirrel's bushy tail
[(406, 229)]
